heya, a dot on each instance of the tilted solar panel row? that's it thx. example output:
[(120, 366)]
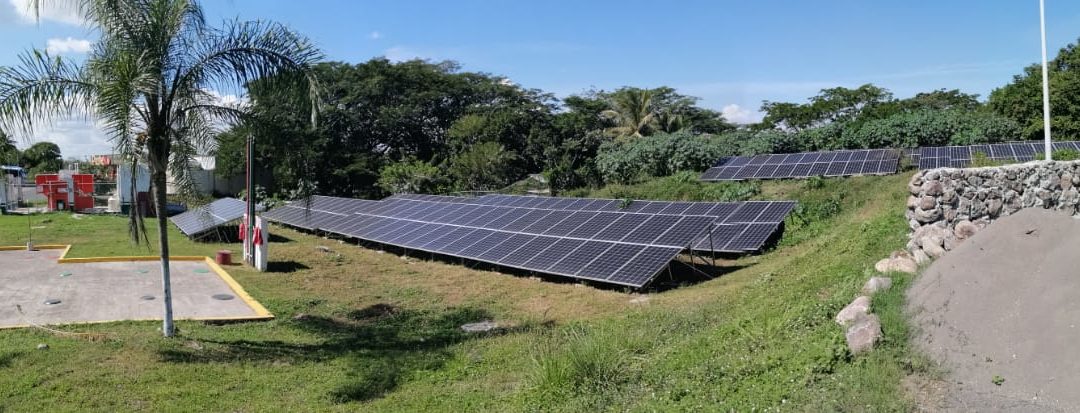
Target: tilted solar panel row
[(740, 237), (931, 157), (206, 217), (805, 164), (652, 229), (607, 261)]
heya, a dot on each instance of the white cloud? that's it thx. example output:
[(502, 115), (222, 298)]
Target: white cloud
[(68, 45), (60, 12), (77, 138), (375, 35), (737, 114)]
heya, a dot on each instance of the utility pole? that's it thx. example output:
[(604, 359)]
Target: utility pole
[(1045, 84)]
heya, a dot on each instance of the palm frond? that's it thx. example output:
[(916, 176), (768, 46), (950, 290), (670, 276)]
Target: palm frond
[(41, 89)]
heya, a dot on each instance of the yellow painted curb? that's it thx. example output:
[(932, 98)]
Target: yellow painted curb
[(261, 313)]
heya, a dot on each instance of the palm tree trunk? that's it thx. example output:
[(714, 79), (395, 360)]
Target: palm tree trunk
[(163, 245)]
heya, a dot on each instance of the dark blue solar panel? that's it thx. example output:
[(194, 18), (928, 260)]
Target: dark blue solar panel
[(766, 171), (493, 239), (642, 267), (526, 219), (554, 253), (585, 253), (685, 231), (747, 212), (527, 251), (549, 221), (609, 261), (568, 225), (621, 226), (651, 229), (454, 248), (512, 243)]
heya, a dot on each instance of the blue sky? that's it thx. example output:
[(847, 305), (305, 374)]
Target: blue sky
[(731, 54)]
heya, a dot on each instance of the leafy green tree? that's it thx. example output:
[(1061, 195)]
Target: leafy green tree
[(9, 153), (42, 157), (483, 167), (1021, 100), (150, 71), (411, 177), (380, 112), (838, 104)]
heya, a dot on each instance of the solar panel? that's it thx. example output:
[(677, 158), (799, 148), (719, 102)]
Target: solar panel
[(209, 216), (962, 156), (806, 164), (725, 213), (618, 247)]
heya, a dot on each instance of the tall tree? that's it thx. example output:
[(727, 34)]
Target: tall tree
[(1021, 100), (42, 157), (152, 70), (632, 112), (9, 153)]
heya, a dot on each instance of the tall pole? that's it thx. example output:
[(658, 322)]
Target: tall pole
[(1045, 83), (249, 235)]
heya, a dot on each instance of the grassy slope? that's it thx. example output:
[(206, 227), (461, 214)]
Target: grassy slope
[(378, 332)]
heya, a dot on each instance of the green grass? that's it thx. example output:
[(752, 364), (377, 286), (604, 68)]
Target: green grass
[(362, 330)]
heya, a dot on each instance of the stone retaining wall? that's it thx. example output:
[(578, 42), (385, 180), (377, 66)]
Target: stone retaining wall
[(948, 205)]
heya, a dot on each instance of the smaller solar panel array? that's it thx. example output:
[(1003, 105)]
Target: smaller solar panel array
[(209, 216), (804, 165), (961, 156)]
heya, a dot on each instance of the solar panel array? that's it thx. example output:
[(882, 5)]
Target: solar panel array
[(209, 216), (805, 164), (961, 156), (740, 226), (612, 247)]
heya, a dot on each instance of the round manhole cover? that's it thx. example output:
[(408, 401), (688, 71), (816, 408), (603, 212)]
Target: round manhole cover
[(52, 301), (143, 271), (65, 274), (147, 297), (222, 297), (202, 271)]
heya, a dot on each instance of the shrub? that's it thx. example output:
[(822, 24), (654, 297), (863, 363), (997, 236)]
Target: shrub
[(1060, 155), (931, 128), (627, 161)]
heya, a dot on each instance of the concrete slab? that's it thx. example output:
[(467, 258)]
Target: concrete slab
[(110, 291)]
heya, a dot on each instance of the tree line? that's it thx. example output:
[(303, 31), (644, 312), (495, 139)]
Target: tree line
[(429, 127), (41, 157)]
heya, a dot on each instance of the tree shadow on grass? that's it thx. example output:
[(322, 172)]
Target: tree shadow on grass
[(285, 266), (7, 358), (382, 344)]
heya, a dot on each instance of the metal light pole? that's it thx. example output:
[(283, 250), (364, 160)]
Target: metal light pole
[(249, 235), (1045, 83)]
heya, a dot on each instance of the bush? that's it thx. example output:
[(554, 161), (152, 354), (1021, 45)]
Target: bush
[(1060, 155), (931, 128), (410, 177), (627, 161)]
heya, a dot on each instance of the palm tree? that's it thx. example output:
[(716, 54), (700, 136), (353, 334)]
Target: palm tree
[(632, 112), (152, 70)]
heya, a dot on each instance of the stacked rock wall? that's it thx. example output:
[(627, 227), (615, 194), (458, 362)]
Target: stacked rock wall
[(948, 205)]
